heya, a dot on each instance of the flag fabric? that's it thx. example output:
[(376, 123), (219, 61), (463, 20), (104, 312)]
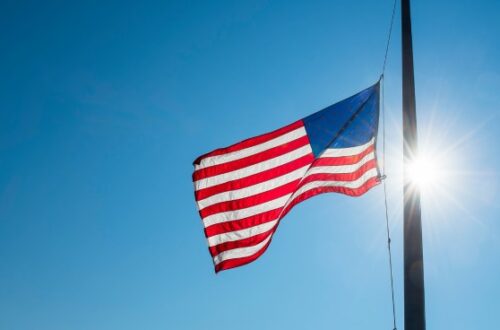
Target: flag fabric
[(244, 190)]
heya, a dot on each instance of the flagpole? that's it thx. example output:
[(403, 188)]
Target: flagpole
[(414, 294)]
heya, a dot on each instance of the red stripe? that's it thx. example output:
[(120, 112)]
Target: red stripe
[(255, 178), (250, 201), (354, 192), (340, 176), (231, 263), (344, 160), (251, 141), (250, 160), (244, 223), (245, 242)]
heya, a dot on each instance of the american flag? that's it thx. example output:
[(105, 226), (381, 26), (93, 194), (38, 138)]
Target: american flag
[(244, 190)]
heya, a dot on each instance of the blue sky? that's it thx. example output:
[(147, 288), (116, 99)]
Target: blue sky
[(104, 105)]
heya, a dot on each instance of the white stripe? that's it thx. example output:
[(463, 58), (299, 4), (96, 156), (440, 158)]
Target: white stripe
[(332, 169), (241, 234), (240, 252), (347, 184), (247, 212), (253, 169), (331, 152), (252, 190), (221, 159)]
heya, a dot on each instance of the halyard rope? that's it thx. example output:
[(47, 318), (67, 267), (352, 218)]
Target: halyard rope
[(383, 168)]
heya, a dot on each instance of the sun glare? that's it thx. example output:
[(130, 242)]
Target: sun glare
[(424, 172)]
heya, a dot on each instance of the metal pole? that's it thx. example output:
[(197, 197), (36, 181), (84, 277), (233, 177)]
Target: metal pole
[(414, 296)]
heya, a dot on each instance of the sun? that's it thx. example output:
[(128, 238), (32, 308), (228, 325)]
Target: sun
[(425, 171)]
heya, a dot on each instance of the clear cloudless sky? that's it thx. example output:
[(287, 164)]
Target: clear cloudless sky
[(104, 105)]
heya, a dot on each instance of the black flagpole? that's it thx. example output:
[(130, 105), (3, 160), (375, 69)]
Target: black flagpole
[(414, 295)]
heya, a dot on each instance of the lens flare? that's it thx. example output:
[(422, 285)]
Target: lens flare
[(425, 171)]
